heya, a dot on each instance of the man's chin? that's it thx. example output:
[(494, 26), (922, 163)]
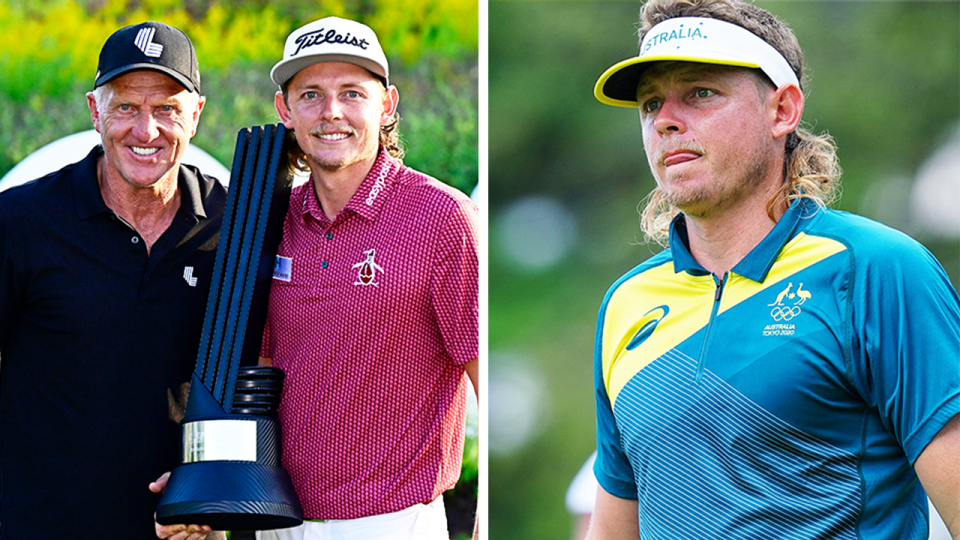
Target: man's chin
[(691, 203), (333, 164), (682, 195), (143, 181)]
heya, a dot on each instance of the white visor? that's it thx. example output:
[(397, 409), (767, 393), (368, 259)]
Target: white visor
[(693, 39)]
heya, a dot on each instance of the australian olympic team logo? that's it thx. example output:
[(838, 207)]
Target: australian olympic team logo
[(785, 308), (368, 268), (783, 312)]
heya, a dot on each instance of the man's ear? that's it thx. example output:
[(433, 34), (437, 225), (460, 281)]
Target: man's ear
[(94, 113), (196, 114), (391, 98), (282, 110), (787, 107)]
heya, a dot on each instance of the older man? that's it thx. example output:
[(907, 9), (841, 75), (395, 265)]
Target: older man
[(105, 267), (783, 370)]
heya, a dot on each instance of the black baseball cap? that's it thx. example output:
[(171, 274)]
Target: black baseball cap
[(149, 45)]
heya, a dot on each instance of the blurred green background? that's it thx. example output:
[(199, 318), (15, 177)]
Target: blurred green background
[(48, 58), (567, 173), (49, 49)]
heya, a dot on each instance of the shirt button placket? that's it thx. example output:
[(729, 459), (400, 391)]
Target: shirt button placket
[(328, 236)]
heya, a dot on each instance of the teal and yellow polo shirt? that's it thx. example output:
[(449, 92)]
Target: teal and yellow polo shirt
[(787, 400)]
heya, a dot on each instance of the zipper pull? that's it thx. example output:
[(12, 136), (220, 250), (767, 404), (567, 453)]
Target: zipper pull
[(719, 291)]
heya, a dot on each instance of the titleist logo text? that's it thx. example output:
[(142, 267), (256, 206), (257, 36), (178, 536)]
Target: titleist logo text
[(321, 36)]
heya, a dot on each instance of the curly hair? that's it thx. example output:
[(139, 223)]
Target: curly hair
[(810, 170)]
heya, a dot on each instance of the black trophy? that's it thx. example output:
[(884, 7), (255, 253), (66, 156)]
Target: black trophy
[(230, 476)]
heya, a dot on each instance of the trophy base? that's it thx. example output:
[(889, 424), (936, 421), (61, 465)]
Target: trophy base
[(227, 495)]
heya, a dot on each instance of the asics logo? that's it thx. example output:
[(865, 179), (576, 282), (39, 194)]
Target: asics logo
[(640, 331), (647, 327)]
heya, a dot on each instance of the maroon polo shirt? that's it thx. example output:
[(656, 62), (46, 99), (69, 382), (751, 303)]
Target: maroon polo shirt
[(372, 317)]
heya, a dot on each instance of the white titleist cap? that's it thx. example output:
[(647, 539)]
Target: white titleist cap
[(331, 40), (693, 39)]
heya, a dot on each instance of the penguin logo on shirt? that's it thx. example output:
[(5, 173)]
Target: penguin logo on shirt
[(368, 269)]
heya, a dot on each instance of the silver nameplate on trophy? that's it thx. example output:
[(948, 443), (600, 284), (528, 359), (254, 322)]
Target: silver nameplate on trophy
[(220, 440)]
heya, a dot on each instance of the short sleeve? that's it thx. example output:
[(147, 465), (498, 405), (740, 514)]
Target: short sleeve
[(454, 284), (906, 359), (612, 468)]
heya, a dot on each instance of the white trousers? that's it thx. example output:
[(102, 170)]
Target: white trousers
[(418, 522)]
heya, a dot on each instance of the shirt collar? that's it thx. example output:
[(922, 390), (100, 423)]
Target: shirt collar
[(86, 188), (190, 197), (368, 199), (758, 262), (89, 200)]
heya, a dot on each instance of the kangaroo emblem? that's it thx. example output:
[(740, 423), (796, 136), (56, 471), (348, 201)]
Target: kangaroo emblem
[(804, 295), (368, 269), (784, 293)]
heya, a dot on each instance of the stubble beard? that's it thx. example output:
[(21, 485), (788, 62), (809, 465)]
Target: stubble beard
[(344, 159), (330, 165), (706, 200)]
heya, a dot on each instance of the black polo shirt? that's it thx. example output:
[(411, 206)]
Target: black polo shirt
[(93, 334)]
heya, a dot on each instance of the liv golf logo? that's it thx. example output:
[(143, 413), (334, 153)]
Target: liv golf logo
[(785, 309), (144, 42)]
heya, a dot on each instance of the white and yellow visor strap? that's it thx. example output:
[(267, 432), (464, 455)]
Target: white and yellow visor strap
[(693, 39)]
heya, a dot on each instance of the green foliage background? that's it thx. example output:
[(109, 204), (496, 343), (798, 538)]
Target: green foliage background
[(49, 50), (884, 81)]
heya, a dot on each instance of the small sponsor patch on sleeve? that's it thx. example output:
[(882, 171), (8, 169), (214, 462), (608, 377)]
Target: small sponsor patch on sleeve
[(283, 268)]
